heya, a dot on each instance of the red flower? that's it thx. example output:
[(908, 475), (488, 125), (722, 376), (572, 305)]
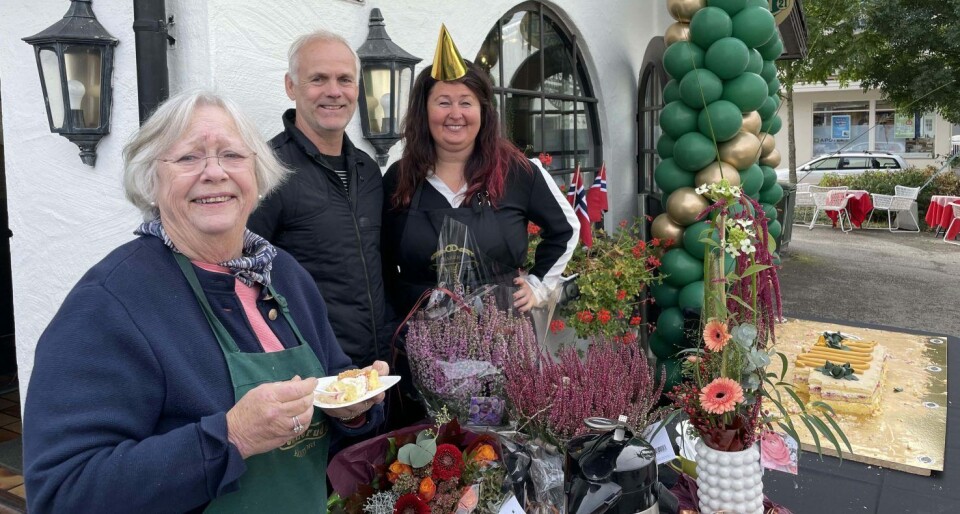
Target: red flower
[(604, 316), (532, 229), (557, 325), (642, 245), (636, 252), (653, 261), (655, 241), (623, 223), (447, 462), (649, 217), (621, 294), (585, 316), (545, 159), (618, 273), (410, 504), (629, 338), (669, 242), (635, 320)]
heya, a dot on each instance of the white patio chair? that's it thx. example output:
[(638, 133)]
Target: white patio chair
[(901, 201), (811, 189), (832, 201), (802, 200), (956, 219)]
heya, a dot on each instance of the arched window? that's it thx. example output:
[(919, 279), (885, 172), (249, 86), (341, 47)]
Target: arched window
[(542, 87), (649, 104)]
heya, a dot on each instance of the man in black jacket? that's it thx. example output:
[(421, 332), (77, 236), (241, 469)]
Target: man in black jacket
[(327, 215)]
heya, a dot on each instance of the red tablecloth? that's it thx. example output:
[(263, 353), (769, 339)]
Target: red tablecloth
[(859, 204), (940, 214)]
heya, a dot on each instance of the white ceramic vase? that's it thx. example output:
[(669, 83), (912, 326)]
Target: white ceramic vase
[(729, 481)]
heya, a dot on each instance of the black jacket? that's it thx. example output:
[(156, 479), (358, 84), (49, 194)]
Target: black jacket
[(334, 234)]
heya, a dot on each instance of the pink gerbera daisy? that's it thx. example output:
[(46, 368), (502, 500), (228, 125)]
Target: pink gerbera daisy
[(715, 335), (721, 396)]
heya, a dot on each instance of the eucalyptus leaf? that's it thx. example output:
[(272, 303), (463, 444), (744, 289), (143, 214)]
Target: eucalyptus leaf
[(418, 455)]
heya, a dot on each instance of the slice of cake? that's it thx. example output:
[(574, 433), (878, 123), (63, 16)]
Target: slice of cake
[(350, 386), (849, 377)]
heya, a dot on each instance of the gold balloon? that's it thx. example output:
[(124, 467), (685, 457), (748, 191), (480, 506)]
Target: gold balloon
[(711, 174), (684, 205), (683, 10), (752, 123), (666, 229), (772, 159), (678, 31), (767, 144), (741, 151)]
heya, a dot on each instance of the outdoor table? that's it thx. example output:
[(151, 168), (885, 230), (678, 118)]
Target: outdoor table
[(940, 214), (859, 205)]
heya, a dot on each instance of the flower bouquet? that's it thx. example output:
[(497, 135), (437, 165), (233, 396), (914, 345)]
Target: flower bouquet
[(438, 469)]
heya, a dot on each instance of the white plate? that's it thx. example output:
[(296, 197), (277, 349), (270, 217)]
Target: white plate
[(386, 382)]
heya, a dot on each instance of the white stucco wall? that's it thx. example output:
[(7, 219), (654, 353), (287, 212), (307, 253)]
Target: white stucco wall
[(806, 95), (66, 216)]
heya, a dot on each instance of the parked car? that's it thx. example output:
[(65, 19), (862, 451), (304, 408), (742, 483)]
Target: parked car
[(843, 163)]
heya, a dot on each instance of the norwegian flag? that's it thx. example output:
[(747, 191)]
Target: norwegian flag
[(578, 199), (597, 196)]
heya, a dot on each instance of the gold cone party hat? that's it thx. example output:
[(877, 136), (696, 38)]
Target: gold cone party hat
[(447, 63)]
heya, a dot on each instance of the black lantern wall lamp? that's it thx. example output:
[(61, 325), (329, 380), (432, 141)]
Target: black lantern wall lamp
[(75, 60), (386, 81)]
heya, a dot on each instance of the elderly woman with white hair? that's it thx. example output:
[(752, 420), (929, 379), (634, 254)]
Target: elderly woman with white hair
[(178, 374)]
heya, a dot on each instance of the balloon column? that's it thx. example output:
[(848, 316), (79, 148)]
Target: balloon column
[(718, 122)]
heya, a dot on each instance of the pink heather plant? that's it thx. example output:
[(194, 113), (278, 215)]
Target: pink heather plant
[(550, 397), (460, 357)]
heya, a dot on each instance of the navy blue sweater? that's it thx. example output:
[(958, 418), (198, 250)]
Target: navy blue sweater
[(126, 409)]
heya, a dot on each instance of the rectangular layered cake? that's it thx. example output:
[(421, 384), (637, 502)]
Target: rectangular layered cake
[(866, 360)]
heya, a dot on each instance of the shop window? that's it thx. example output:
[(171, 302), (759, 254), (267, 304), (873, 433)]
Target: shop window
[(543, 90), (840, 126)]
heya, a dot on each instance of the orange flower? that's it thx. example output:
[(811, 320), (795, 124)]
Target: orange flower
[(485, 453), (715, 335), (396, 469), (721, 396), (427, 489)]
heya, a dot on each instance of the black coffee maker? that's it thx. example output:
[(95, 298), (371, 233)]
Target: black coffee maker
[(610, 471)]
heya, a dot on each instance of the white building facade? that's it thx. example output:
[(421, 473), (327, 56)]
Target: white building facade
[(65, 216)]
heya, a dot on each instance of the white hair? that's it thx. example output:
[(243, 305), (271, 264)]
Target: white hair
[(166, 126), (293, 54)]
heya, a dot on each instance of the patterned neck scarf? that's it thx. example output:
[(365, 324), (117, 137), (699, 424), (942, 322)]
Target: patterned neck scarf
[(253, 266)]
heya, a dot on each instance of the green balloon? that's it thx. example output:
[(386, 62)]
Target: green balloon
[(769, 211), (769, 176), (708, 25), (681, 268), (769, 107), (670, 373), (694, 151), (666, 296), (774, 228), (671, 92), (691, 296), (773, 86), (660, 347), (748, 91), (755, 64), (768, 71), (776, 259), (758, 3), (670, 325), (670, 177), (727, 58), (700, 87), (751, 180), (682, 57), (721, 120), (772, 126), (665, 146), (771, 50), (772, 195), (731, 7), (676, 119), (694, 233), (754, 26)]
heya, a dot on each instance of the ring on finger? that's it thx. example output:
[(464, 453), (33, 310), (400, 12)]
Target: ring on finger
[(297, 426)]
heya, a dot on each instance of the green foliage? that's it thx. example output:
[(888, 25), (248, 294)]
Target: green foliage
[(883, 182)]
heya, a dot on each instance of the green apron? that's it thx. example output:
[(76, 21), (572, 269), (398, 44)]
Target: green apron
[(292, 478)]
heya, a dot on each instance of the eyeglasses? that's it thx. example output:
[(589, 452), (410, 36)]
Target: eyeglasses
[(194, 164)]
